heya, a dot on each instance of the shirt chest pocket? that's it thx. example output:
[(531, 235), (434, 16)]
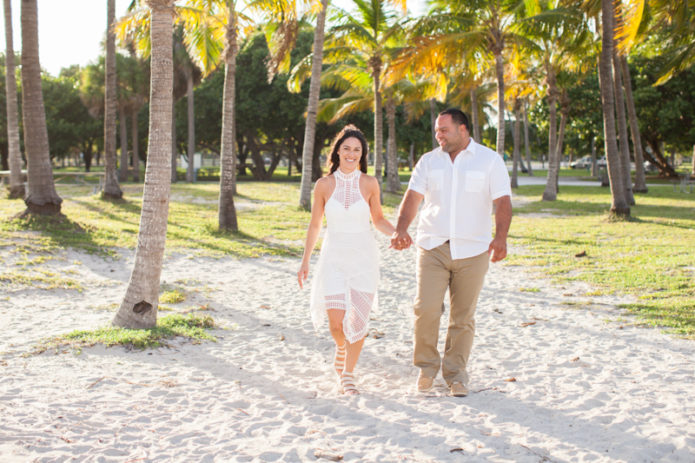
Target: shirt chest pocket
[(474, 181), (435, 180)]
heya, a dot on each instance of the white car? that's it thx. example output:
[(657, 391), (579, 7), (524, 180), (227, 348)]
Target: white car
[(582, 163)]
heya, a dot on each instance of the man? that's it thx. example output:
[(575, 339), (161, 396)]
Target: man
[(459, 183)]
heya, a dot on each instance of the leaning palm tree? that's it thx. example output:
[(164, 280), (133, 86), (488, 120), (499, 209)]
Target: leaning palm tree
[(41, 196), (111, 190), (15, 158), (139, 306)]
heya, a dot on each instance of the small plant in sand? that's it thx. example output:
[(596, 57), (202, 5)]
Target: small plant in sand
[(173, 296), (192, 326)]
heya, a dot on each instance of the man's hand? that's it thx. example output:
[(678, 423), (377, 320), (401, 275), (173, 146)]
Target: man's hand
[(497, 249), (401, 240)]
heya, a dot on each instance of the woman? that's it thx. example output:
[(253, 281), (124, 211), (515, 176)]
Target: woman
[(347, 272)]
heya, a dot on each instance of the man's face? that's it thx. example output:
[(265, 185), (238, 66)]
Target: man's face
[(450, 136)]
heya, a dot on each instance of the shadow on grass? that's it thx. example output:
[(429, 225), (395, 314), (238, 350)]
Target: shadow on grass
[(225, 241), (122, 204), (62, 231)]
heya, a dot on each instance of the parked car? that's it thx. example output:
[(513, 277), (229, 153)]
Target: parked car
[(649, 167), (582, 163), (601, 162)]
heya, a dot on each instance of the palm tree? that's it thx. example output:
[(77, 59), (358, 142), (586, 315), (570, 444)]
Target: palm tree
[(111, 190), (16, 183), (620, 207), (364, 40), (139, 306), (41, 196), (312, 107)]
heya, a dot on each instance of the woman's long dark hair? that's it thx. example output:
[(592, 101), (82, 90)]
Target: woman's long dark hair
[(349, 131)]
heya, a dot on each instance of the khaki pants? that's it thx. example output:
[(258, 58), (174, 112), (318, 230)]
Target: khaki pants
[(436, 271)]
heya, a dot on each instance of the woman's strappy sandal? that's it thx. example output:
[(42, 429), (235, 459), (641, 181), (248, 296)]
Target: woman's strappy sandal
[(339, 360), (347, 383)]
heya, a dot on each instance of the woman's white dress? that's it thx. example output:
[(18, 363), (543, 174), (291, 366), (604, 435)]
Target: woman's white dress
[(347, 271)]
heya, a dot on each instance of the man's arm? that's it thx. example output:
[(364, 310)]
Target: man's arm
[(503, 219), (406, 213)]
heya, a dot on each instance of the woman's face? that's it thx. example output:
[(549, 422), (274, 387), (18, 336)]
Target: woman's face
[(350, 152)]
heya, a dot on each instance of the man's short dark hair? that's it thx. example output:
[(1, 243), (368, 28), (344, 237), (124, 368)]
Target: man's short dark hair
[(458, 116)]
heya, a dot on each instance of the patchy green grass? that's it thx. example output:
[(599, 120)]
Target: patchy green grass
[(530, 290), (651, 256), (173, 296), (191, 326), (36, 278)]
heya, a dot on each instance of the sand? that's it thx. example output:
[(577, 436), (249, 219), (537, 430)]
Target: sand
[(556, 375)]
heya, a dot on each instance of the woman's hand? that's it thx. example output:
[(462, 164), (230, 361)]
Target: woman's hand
[(302, 274)]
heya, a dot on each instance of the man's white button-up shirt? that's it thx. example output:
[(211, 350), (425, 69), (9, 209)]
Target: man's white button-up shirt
[(458, 198)]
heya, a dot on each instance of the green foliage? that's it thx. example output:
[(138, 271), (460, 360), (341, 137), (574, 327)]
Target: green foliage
[(192, 326)]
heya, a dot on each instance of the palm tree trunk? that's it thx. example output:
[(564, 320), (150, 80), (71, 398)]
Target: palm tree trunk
[(411, 156), (640, 182), (17, 189), (624, 147), (550, 193), (517, 140), (619, 206), (174, 149), (123, 130), (474, 114), (433, 118), (41, 196), (190, 177), (136, 150), (227, 220), (378, 127), (111, 188), (139, 307), (526, 138), (594, 165), (312, 109), (394, 184), (499, 69)]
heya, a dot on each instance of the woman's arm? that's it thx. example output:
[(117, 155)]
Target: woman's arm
[(312, 233), (380, 223)]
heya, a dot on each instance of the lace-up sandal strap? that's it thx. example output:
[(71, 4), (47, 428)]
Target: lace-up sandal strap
[(339, 360), (347, 381)]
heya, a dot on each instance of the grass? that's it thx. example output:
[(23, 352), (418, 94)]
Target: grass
[(191, 326), (651, 257)]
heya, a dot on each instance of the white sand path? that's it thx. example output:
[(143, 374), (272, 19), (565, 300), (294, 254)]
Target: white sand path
[(590, 385)]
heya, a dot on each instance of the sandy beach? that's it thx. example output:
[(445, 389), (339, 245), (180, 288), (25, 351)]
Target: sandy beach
[(556, 375)]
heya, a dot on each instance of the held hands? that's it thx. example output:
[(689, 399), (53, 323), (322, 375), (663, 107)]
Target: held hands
[(400, 240), (302, 274), (497, 249)]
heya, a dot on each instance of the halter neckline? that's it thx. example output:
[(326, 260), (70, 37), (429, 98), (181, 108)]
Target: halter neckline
[(344, 176)]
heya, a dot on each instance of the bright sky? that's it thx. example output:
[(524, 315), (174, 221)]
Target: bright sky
[(71, 31)]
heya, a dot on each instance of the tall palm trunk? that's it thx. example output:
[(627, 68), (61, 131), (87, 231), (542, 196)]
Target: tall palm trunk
[(174, 149), (111, 188), (499, 70), (433, 118), (139, 307), (619, 206), (190, 177), (526, 138), (378, 125), (474, 114), (41, 196), (564, 115), (15, 157), (640, 182), (516, 156), (123, 132), (393, 182), (623, 146), (550, 193), (136, 151), (312, 109), (227, 219)]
